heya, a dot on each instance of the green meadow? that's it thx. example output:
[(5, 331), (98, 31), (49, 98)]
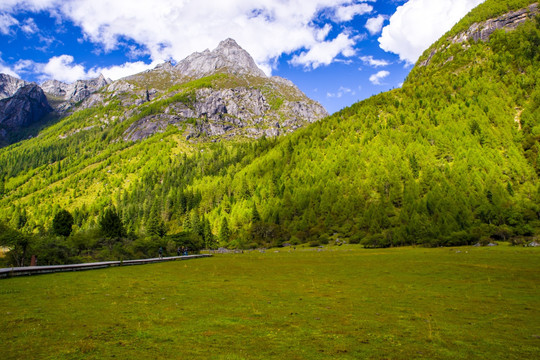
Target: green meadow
[(339, 303)]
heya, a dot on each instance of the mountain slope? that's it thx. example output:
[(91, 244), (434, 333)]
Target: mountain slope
[(450, 158), (141, 123)]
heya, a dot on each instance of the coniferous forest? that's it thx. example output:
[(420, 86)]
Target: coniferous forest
[(450, 158)]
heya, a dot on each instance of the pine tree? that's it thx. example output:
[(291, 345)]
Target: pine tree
[(224, 233), (255, 217)]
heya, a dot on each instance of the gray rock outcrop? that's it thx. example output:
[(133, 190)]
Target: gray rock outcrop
[(482, 31), (509, 21), (9, 85), (26, 107), (229, 112)]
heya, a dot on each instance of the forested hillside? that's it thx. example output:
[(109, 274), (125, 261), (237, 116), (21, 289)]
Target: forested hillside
[(451, 158)]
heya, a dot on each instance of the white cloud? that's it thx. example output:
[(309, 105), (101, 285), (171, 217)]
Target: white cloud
[(418, 23), (29, 26), (172, 29), (321, 34), (342, 91), (375, 24), (375, 79), (119, 71), (347, 13), (5, 69), (6, 22), (369, 60), (324, 53), (63, 68)]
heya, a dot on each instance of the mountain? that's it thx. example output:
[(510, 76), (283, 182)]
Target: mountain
[(451, 158), (24, 108), (219, 93), (23, 113)]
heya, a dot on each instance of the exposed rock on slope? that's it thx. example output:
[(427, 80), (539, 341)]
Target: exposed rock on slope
[(510, 21), (9, 85), (482, 31), (229, 112), (28, 106)]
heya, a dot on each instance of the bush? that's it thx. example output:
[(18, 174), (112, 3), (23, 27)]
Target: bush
[(324, 239), (355, 239), (376, 241), (314, 243), (193, 242), (294, 240)]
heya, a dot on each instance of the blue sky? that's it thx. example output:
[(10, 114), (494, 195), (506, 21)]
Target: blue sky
[(336, 51)]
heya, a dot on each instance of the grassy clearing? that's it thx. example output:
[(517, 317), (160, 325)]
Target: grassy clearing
[(340, 303)]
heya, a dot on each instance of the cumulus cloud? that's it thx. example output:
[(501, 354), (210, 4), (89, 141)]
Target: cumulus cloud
[(324, 53), (63, 68), (119, 71), (418, 23), (171, 29), (369, 60), (374, 25), (375, 79), (347, 13)]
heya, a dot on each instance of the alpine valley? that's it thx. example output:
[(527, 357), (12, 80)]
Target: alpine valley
[(210, 152)]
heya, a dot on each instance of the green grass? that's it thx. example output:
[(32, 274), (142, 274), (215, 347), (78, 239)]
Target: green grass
[(340, 303)]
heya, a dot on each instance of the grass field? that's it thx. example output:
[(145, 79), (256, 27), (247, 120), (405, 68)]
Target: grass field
[(340, 303)]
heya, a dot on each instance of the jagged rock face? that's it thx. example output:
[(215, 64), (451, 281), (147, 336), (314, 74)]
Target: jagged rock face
[(26, 107), (229, 112), (228, 56), (483, 30), (70, 94), (9, 85)]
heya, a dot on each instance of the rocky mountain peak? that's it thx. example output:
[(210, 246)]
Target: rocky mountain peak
[(9, 85), (27, 106), (75, 92), (227, 57)]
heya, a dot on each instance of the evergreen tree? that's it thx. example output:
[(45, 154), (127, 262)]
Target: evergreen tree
[(208, 236), (111, 225), (155, 225), (255, 217), (196, 226), (224, 233), (63, 223)]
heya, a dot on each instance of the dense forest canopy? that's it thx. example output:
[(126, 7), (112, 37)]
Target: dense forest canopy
[(451, 158)]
